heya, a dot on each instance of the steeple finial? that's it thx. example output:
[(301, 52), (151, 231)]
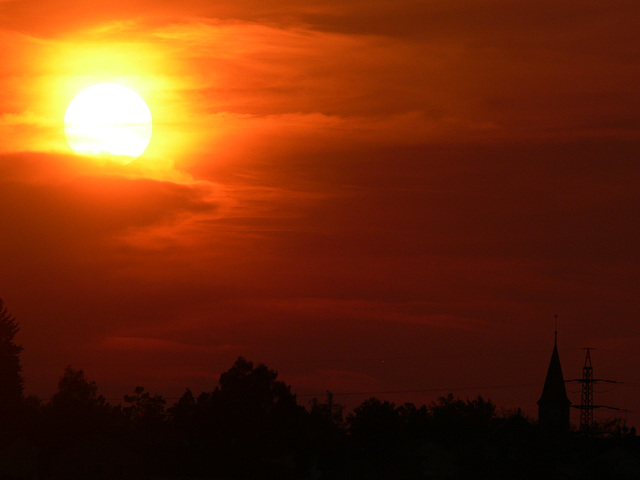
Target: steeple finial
[(555, 333)]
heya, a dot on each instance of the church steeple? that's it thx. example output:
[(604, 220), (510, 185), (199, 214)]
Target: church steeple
[(554, 405)]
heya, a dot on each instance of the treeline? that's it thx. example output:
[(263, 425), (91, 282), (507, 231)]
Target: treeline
[(250, 426)]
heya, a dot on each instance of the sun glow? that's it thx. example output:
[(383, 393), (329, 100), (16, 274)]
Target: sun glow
[(108, 120)]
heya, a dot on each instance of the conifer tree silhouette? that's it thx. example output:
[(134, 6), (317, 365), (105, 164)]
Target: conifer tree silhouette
[(11, 381)]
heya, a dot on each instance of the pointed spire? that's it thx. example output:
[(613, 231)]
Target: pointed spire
[(554, 388), (553, 406)]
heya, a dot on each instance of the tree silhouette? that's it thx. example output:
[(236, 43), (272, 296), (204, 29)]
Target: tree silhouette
[(11, 382), (376, 426), (76, 411), (376, 429), (76, 424), (76, 391), (257, 417), (143, 407), (147, 432), (463, 428), (250, 426), (191, 434), (326, 422), (457, 422)]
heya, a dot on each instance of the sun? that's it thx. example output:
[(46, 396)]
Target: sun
[(108, 120)]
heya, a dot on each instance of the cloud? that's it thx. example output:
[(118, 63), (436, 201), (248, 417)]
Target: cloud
[(217, 77), (141, 344), (423, 313), (78, 201)]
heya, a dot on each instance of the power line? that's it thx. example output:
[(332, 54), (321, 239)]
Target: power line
[(425, 390)]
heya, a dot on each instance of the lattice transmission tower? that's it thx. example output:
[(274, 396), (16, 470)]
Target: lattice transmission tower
[(586, 403)]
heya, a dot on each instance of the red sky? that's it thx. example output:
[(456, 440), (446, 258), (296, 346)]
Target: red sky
[(365, 196)]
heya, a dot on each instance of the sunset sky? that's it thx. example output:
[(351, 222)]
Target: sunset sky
[(389, 198)]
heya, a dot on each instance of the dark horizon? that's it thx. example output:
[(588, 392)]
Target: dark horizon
[(251, 426), (529, 390), (351, 399)]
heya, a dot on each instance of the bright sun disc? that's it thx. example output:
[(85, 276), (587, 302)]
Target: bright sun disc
[(108, 120)]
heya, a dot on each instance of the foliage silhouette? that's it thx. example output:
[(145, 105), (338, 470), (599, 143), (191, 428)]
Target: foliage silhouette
[(462, 427), (249, 423), (250, 426), (76, 410), (322, 438), (143, 407), (147, 430), (11, 381), (79, 428)]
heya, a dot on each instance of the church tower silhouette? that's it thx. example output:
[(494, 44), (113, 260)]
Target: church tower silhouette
[(554, 405)]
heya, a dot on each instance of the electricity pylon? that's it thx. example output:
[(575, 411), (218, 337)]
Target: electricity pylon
[(586, 403)]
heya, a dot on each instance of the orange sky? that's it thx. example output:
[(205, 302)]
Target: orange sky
[(329, 185)]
